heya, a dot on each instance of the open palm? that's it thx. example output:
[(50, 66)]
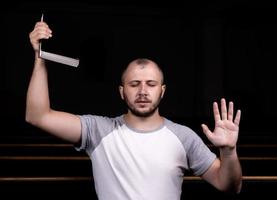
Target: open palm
[(226, 129)]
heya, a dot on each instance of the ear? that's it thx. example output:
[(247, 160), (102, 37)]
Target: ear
[(121, 91), (163, 90)]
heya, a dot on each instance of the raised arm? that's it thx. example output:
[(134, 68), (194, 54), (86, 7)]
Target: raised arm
[(38, 111), (225, 173)]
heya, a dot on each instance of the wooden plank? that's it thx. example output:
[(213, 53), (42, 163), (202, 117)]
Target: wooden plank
[(87, 178)]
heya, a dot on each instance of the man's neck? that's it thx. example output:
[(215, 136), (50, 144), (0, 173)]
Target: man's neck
[(144, 123)]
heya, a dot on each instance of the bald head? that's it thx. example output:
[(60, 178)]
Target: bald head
[(139, 64)]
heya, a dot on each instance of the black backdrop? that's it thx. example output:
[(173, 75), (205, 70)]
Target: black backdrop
[(207, 51)]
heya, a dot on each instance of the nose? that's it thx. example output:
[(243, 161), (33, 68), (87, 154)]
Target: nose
[(143, 89)]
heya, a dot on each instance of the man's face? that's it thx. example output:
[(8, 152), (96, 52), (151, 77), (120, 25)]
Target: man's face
[(142, 89)]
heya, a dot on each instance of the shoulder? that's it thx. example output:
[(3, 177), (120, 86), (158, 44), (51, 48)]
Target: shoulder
[(102, 122), (185, 134), (99, 118), (177, 128)]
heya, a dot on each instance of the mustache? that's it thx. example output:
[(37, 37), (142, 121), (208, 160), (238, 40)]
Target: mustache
[(143, 99)]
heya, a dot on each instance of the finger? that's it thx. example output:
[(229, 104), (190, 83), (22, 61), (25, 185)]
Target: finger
[(38, 24), (42, 33), (223, 109), (230, 111), (237, 118), (206, 131), (41, 24), (36, 36), (216, 112)]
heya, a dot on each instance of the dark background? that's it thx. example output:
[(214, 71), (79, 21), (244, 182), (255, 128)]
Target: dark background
[(207, 50)]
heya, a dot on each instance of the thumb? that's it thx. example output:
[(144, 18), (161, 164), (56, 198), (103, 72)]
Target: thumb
[(206, 131)]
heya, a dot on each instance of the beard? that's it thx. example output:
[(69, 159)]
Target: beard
[(147, 113)]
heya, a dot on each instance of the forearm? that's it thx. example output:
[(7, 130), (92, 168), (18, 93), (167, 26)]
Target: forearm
[(37, 102), (230, 174)]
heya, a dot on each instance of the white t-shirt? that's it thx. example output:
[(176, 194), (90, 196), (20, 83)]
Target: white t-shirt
[(128, 164)]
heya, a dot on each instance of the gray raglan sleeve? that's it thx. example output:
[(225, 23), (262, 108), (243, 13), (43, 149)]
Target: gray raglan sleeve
[(199, 156), (93, 130)]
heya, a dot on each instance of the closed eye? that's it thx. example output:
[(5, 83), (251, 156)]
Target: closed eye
[(152, 83), (134, 83)]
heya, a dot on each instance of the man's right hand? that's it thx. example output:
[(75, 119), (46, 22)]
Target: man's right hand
[(40, 31)]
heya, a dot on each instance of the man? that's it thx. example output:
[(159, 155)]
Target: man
[(140, 154)]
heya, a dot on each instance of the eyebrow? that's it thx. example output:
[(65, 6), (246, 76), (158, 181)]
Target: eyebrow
[(138, 81)]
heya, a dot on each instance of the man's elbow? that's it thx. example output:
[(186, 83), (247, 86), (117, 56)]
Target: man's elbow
[(32, 118), (238, 188), (234, 188), (29, 119)]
